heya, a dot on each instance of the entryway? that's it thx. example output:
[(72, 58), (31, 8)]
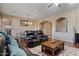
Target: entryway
[(46, 27)]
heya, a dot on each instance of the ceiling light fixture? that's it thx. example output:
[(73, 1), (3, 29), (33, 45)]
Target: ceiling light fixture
[(28, 19)]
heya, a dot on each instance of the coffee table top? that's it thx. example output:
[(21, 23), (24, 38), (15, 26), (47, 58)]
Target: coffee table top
[(52, 43)]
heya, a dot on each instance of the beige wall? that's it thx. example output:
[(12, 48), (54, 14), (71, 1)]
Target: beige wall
[(73, 22), (42, 20), (16, 28)]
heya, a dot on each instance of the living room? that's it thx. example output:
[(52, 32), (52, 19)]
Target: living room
[(46, 21)]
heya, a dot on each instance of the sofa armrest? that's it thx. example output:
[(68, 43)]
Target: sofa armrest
[(27, 51)]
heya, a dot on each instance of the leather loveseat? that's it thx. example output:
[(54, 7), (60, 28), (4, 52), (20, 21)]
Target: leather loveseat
[(34, 38)]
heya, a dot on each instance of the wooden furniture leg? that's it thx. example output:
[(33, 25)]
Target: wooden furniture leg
[(52, 52), (63, 46), (42, 48)]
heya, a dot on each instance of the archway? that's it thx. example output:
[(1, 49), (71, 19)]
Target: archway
[(46, 27)]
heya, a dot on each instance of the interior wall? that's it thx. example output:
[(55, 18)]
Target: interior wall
[(43, 20), (73, 24), (16, 28)]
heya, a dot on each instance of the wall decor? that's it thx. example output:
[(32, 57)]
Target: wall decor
[(23, 23)]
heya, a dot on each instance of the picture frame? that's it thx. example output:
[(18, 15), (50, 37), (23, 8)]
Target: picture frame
[(23, 23)]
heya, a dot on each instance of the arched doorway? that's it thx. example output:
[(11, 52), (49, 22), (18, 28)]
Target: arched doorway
[(46, 27)]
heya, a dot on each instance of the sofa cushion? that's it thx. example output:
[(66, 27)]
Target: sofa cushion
[(15, 51), (13, 42), (6, 37)]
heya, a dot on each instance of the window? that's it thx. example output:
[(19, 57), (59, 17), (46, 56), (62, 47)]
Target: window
[(61, 25)]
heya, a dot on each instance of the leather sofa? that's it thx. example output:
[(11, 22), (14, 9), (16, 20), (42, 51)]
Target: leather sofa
[(34, 38)]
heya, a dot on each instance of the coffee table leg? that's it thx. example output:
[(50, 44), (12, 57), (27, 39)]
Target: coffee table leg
[(42, 48), (63, 46), (52, 52)]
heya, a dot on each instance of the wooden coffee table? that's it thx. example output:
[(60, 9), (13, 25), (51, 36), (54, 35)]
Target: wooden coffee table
[(52, 46)]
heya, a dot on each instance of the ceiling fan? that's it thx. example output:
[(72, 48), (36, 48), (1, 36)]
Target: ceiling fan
[(54, 4)]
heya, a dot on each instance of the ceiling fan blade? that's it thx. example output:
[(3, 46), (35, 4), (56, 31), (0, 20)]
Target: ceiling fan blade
[(50, 5)]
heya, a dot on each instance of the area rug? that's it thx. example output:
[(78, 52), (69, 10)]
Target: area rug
[(68, 51)]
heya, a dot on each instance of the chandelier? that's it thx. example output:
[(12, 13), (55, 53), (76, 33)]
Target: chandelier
[(23, 22), (28, 22)]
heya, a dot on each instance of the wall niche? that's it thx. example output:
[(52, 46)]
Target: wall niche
[(61, 24)]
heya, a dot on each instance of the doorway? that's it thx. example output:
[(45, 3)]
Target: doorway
[(46, 27)]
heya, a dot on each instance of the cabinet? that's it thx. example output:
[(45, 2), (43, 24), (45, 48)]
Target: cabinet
[(77, 39)]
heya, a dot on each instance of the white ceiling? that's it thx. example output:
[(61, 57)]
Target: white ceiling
[(36, 10)]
